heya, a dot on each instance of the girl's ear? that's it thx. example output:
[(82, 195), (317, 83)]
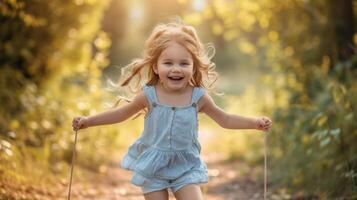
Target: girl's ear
[(154, 67)]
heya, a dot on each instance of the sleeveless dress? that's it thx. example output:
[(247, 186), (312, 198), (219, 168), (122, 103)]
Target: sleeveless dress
[(167, 154)]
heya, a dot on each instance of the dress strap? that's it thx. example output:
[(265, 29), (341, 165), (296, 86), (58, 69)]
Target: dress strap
[(150, 94), (198, 92)]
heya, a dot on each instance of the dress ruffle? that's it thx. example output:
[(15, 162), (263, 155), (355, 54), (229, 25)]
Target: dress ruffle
[(196, 175), (151, 161)]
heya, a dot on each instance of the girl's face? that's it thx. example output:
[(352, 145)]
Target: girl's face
[(174, 67)]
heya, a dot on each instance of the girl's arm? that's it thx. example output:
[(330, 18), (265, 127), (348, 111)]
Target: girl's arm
[(120, 114), (229, 121)]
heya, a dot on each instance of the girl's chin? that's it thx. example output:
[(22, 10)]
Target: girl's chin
[(175, 84)]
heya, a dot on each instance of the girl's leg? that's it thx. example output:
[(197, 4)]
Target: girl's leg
[(157, 195), (190, 191)]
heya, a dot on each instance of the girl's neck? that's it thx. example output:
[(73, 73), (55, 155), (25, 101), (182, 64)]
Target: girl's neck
[(169, 97)]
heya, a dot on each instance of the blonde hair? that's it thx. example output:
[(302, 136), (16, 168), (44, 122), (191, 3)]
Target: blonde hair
[(204, 74)]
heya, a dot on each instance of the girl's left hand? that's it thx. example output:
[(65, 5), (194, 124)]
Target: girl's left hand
[(263, 123)]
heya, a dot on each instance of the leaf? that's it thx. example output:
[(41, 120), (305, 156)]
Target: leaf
[(335, 132), (320, 134), (338, 92), (320, 114), (325, 142), (320, 119)]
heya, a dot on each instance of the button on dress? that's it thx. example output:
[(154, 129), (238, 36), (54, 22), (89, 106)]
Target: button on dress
[(168, 147)]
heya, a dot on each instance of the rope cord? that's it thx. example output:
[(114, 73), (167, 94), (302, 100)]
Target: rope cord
[(265, 163), (72, 164)]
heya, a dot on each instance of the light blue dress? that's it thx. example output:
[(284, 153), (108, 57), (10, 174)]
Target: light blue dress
[(167, 154)]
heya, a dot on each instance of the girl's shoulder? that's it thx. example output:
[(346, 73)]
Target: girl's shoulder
[(200, 89), (149, 92), (204, 98), (198, 94)]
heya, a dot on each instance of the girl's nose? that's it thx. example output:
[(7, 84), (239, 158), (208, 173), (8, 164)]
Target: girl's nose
[(176, 68)]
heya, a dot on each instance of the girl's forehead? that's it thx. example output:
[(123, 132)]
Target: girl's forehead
[(174, 51)]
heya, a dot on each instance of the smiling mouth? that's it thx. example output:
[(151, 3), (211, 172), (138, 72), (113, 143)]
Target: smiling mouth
[(175, 78)]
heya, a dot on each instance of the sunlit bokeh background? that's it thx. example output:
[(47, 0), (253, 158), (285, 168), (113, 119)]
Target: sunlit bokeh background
[(293, 61)]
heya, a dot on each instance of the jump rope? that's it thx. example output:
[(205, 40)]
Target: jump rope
[(72, 164), (265, 164)]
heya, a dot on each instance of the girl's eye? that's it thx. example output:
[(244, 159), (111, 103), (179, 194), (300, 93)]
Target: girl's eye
[(167, 63), (184, 64)]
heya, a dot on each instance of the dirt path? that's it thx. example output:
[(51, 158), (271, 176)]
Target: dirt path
[(228, 181)]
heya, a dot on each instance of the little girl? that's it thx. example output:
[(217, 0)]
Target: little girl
[(167, 154)]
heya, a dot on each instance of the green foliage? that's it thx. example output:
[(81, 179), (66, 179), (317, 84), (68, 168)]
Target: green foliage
[(311, 94), (51, 61), (317, 137)]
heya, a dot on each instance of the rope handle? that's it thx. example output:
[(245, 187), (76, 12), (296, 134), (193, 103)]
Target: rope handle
[(265, 163), (72, 164)]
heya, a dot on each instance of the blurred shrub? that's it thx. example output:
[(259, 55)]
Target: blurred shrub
[(51, 62)]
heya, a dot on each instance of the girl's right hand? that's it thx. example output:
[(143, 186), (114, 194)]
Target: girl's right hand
[(80, 123)]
